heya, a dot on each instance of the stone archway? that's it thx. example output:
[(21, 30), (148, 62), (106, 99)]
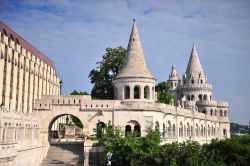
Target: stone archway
[(64, 128)]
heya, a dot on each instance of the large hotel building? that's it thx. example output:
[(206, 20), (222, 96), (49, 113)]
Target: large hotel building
[(25, 73)]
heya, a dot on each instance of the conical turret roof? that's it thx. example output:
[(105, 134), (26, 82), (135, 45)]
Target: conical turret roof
[(134, 64), (173, 75), (194, 65)]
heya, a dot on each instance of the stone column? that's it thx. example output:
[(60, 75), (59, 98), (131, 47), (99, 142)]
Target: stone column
[(20, 135), (131, 92), (10, 134), (141, 92)]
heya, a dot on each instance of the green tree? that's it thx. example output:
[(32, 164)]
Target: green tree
[(163, 93), (129, 149), (75, 92), (103, 76)]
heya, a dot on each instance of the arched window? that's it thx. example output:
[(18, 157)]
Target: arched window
[(164, 130), (127, 129), (192, 97), (224, 132), (136, 92), (201, 81), (100, 129), (146, 92), (221, 113), (137, 130), (192, 81), (204, 111), (188, 97), (157, 126), (196, 130), (225, 113), (202, 133), (169, 129), (208, 130), (200, 97), (126, 92), (211, 112), (171, 85), (205, 97), (181, 130), (188, 130), (173, 130)]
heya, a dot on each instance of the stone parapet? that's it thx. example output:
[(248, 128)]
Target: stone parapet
[(222, 104), (210, 103), (195, 86)]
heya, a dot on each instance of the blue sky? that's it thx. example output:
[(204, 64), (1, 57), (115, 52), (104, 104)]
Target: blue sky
[(74, 34)]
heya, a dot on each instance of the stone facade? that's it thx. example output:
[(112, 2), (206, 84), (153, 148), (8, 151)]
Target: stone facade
[(195, 117), (135, 107), (25, 75)]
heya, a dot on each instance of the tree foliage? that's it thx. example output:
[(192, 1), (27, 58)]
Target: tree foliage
[(163, 93), (75, 92), (146, 151), (103, 76), (129, 149)]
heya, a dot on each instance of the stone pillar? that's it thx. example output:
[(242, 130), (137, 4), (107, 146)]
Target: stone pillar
[(20, 135), (131, 92), (10, 134), (141, 92)]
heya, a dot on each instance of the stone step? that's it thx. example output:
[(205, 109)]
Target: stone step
[(64, 154)]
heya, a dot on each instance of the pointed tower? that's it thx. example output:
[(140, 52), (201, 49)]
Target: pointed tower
[(194, 73), (195, 88), (134, 81), (174, 81)]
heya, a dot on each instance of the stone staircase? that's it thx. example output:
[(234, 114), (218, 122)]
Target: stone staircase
[(68, 154)]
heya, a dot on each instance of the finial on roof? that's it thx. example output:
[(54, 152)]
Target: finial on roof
[(134, 19)]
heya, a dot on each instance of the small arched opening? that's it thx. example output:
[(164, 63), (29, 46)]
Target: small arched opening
[(205, 97), (200, 97), (136, 92), (133, 126), (127, 130), (146, 92), (100, 127), (157, 126), (225, 132), (126, 92)]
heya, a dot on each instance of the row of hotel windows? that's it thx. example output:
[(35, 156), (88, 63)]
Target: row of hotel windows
[(43, 76), (36, 62)]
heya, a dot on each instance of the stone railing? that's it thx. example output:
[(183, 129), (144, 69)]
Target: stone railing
[(222, 104), (196, 86), (8, 151), (210, 103)]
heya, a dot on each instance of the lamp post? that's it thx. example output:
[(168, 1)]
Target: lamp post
[(61, 84)]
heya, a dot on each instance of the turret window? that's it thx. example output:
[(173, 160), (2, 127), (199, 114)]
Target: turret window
[(126, 92), (201, 81), (146, 92), (136, 92), (225, 113), (192, 81), (192, 97), (200, 97), (205, 97), (221, 113)]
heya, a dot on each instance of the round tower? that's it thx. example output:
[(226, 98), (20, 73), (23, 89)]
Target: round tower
[(174, 81), (134, 81)]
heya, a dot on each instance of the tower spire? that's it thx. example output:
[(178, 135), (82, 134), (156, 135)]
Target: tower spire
[(134, 64), (194, 65)]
